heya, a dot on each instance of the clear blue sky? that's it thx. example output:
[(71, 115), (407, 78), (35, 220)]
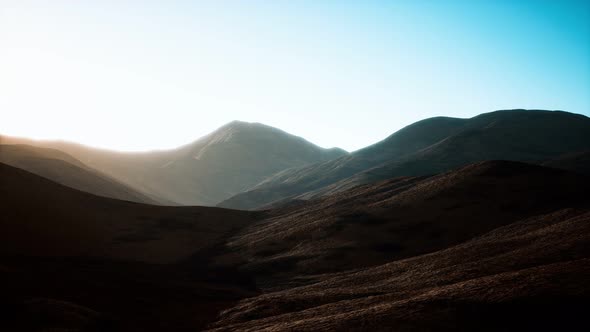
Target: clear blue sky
[(138, 75)]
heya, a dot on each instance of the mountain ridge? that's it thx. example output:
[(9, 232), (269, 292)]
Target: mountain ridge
[(414, 253), (438, 144), (64, 169), (227, 161)]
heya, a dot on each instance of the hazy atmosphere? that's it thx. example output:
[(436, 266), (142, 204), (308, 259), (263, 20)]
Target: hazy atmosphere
[(319, 166), (131, 75)]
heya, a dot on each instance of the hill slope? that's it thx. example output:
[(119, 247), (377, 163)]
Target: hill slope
[(73, 261), (578, 162), (428, 147), (373, 257), (43, 218), (399, 218), (63, 168), (226, 162), (532, 275)]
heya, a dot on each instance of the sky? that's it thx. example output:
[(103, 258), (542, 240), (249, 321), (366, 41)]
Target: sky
[(144, 75)]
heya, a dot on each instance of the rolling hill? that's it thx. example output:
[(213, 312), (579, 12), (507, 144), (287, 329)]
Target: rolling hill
[(226, 162), (449, 245), (531, 275), (399, 218), (410, 252), (43, 218), (578, 162), (70, 260), (63, 168), (428, 147)]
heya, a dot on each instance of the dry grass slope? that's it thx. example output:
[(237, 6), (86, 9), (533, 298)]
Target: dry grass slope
[(399, 218), (530, 275)]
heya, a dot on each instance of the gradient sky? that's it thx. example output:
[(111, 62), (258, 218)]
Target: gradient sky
[(140, 75)]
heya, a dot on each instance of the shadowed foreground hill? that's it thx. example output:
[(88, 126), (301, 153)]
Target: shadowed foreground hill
[(74, 261), (578, 162), (446, 252), (226, 162), (399, 218), (532, 275), (43, 218), (428, 147), (65, 169)]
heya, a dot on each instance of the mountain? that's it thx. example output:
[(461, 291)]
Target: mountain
[(428, 147), (232, 159), (491, 245), (400, 218), (63, 168), (226, 162)]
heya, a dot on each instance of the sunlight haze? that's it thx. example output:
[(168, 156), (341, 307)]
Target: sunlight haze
[(131, 75)]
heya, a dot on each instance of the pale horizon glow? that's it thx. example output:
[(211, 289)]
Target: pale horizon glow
[(131, 76)]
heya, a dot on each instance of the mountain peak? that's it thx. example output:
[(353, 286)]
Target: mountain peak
[(235, 157), (237, 124), (241, 131), (245, 124)]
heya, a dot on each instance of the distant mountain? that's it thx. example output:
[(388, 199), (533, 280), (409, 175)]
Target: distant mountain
[(63, 168), (226, 162), (428, 147)]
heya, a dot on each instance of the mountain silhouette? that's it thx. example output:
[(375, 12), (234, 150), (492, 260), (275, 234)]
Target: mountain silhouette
[(63, 168), (429, 147), (226, 162)]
